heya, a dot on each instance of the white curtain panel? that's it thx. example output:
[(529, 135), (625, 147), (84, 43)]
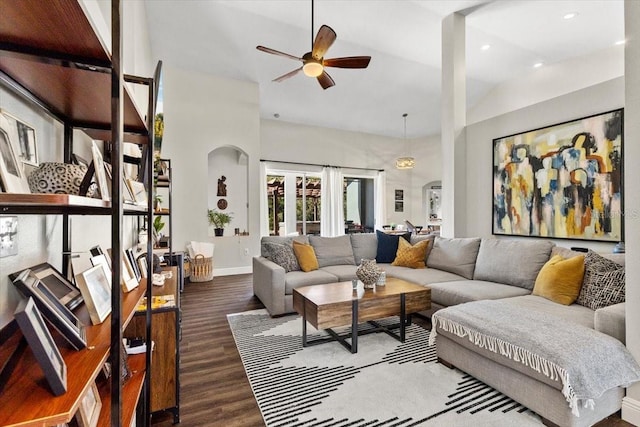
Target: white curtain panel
[(264, 201), (331, 213), (380, 210)]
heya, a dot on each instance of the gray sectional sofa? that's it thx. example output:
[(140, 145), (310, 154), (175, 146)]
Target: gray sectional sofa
[(461, 271)]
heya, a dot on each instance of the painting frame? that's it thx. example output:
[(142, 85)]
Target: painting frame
[(562, 181), (95, 286), (99, 171), (89, 410), (42, 344), (25, 137), (12, 173)]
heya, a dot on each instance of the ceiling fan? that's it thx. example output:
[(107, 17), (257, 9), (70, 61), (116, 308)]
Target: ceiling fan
[(313, 62)]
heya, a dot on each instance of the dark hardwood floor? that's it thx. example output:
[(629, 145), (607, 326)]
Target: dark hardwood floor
[(214, 388)]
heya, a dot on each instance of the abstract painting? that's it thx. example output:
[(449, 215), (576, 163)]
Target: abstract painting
[(563, 181)]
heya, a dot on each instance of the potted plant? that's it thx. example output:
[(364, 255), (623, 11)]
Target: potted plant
[(157, 201), (219, 220)]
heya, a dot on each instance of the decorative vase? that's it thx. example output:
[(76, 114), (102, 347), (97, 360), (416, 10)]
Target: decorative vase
[(58, 178), (368, 272)]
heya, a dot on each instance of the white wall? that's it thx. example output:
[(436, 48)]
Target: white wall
[(203, 112), (631, 403), (232, 164), (291, 142), (599, 98)]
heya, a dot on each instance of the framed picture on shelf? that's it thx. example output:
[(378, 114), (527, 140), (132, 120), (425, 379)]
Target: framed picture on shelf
[(129, 281), (99, 171), (63, 319), (138, 191), (24, 135), (64, 290), (96, 290), (41, 342), (12, 174), (89, 409), (131, 257)]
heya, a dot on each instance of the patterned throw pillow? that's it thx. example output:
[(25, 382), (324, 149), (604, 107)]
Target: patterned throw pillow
[(603, 282), (409, 255), (283, 256)]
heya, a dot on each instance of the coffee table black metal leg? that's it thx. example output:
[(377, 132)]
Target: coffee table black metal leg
[(354, 326), (403, 317), (304, 325)]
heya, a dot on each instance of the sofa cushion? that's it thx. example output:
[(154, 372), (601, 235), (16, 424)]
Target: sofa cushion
[(458, 292), (282, 240), (343, 273), (332, 250), (306, 256), (411, 256), (388, 246), (283, 255), (424, 276), (603, 282), (560, 280), (457, 256), (610, 320), (415, 238), (365, 246), (296, 279), (513, 262)]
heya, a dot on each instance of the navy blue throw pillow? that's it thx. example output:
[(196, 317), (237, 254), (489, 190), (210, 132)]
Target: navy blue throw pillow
[(388, 246)]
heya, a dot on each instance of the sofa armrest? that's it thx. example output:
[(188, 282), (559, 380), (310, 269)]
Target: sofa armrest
[(268, 284), (610, 320)]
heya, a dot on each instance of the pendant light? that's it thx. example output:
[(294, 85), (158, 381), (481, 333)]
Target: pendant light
[(406, 162)]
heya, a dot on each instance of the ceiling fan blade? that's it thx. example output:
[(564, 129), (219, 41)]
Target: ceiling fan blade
[(289, 74), (325, 80), (348, 62), (324, 39), (277, 52)]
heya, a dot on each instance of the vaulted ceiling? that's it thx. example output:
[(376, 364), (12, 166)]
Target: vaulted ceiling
[(403, 37)]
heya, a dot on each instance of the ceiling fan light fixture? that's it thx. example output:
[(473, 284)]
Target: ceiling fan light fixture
[(312, 68)]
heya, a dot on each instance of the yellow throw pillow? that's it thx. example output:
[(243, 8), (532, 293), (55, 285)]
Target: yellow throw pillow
[(306, 256), (411, 256), (560, 280)]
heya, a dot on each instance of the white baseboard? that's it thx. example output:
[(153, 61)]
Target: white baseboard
[(631, 410), (232, 271)]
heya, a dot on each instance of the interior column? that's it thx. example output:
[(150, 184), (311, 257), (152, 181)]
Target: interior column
[(631, 403), (453, 122)]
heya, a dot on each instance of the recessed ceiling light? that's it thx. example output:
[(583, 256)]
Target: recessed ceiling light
[(619, 42), (276, 115), (538, 65), (570, 15), (486, 47)]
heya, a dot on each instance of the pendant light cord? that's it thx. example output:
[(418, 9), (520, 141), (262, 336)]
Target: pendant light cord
[(311, 25)]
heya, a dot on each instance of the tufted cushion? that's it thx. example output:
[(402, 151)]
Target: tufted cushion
[(560, 279), (457, 256), (604, 282), (332, 250), (283, 255), (513, 262), (388, 246), (409, 255), (306, 256)]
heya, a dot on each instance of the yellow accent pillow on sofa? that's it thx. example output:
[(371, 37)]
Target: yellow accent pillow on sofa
[(411, 256), (560, 280), (306, 256)]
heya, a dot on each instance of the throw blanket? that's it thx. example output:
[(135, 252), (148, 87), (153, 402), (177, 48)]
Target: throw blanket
[(587, 362)]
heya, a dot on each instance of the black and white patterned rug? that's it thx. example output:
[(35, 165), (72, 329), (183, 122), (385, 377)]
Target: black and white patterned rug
[(387, 383)]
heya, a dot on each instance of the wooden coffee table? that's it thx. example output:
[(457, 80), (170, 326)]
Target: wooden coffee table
[(337, 304)]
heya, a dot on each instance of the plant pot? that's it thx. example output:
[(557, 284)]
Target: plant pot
[(218, 232)]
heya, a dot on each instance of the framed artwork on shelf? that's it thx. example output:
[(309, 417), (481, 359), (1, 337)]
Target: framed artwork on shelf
[(63, 319), (129, 281), (89, 409), (138, 191), (104, 262), (64, 290), (99, 171), (25, 137), (12, 174), (42, 344), (96, 290), (563, 181)]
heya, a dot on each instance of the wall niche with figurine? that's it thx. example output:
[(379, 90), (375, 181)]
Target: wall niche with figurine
[(227, 191)]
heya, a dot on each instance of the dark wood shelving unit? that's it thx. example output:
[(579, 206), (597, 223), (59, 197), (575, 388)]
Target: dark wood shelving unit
[(52, 57)]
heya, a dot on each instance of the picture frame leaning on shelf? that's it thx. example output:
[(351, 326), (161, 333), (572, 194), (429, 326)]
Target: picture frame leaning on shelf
[(12, 173), (96, 291), (42, 344)]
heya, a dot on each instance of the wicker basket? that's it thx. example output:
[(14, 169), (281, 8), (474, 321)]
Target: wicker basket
[(201, 269)]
